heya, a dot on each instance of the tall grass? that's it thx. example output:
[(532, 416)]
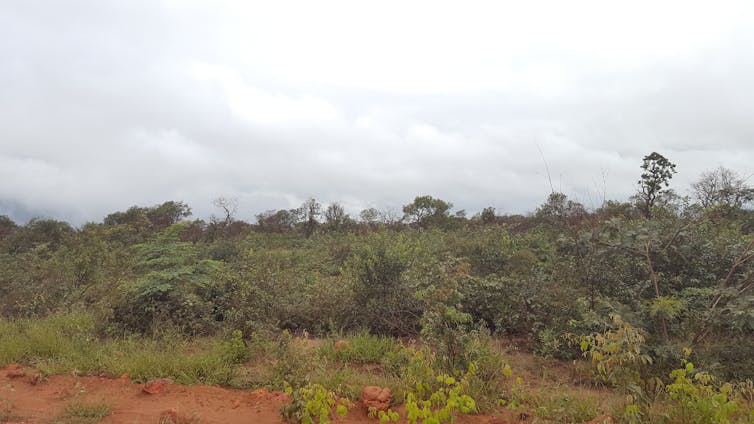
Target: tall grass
[(361, 348), (68, 342)]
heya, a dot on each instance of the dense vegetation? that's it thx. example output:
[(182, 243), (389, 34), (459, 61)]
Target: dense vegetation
[(655, 285)]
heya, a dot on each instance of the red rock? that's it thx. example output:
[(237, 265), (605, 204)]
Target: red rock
[(36, 377), (15, 373), (169, 416), (340, 345), (156, 386), (259, 394), (376, 397)]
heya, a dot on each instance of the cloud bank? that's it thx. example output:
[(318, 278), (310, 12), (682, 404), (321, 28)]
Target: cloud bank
[(105, 104)]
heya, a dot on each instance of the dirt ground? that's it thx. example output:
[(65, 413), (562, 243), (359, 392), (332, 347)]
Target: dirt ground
[(27, 398)]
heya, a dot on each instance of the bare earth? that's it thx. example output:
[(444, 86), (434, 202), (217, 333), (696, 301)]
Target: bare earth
[(28, 399)]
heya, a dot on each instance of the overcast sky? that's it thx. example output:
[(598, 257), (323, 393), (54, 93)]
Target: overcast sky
[(108, 104)]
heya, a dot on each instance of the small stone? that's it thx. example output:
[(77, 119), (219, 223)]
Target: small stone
[(156, 386)]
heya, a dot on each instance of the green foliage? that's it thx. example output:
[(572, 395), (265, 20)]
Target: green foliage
[(449, 332), (384, 416), (618, 358), (384, 299), (292, 362), (362, 348), (565, 408), (426, 211), (173, 287), (311, 404), (698, 397), (658, 171), (65, 343), (440, 404), (91, 412)]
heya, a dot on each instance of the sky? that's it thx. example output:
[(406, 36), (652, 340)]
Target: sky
[(106, 104)]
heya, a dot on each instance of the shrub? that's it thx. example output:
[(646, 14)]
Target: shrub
[(312, 403), (698, 397)]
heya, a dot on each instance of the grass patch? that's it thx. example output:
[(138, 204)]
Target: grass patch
[(95, 411), (565, 408), (361, 348), (65, 343)]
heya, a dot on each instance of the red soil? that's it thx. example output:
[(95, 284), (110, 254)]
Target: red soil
[(29, 399)]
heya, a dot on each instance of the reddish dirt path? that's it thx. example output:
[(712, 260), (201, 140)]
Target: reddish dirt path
[(28, 401)]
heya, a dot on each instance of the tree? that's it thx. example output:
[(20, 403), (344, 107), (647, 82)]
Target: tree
[(559, 208), (336, 217), (370, 216), (723, 188), (488, 215), (310, 210), (655, 179), (7, 226), (278, 221), (154, 218), (229, 205), (425, 211)]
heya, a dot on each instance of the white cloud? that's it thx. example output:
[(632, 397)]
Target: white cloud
[(106, 105)]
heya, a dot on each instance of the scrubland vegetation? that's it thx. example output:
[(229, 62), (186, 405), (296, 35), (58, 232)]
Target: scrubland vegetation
[(650, 302)]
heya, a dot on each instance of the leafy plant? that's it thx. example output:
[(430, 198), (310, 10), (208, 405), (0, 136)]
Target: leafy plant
[(441, 404), (384, 416), (618, 359), (699, 397), (311, 404)]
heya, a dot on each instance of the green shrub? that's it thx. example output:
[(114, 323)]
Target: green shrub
[(439, 405), (311, 404), (698, 397)]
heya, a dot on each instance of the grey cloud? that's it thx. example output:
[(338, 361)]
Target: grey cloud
[(110, 104)]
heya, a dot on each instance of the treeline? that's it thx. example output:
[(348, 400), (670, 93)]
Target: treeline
[(680, 269)]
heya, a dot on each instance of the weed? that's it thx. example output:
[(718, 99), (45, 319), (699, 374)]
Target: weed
[(312, 403), (698, 397), (94, 412), (362, 348), (441, 404), (565, 408)]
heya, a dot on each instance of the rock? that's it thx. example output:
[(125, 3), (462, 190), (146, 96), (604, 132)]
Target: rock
[(340, 345), (15, 373), (376, 397), (259, 394), (36, 377), (169, 416), (156, 386)]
